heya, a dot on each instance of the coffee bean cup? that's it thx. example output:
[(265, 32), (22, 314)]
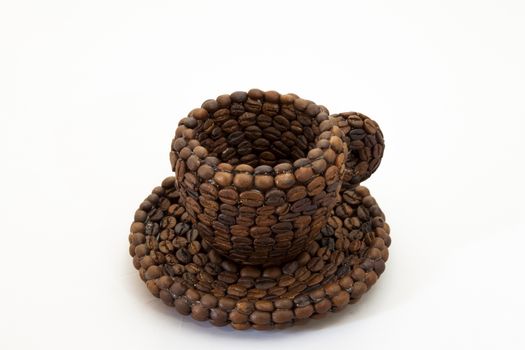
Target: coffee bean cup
[(259, 173)]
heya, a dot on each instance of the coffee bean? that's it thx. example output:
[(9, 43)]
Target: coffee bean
[(284, 181), (243, 181), (273, 272), (264, 305), (153, 272), (282, 316), (218, 317), (223, 179), (252, 198), (199, 312), (199, 113), (263, 182), (323, 306), (319, 165), (265, 283), (237, 290), (237, 317), (336, 143), (275, 197), (245, 307), (182, 305), (304, 174), (250, 271), (370, 126), (205, 172), (304, 312), (316, 186), (239, 96), (228, 196), (331, 174)]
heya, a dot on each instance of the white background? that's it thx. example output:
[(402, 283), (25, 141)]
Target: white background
[(90, 96)]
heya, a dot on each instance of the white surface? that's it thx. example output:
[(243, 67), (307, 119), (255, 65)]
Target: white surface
[(91, 94)]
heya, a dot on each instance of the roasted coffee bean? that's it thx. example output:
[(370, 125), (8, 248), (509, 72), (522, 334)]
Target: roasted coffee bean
[(275, 197), (319, 166), (250, 271), (223, 179), (284, 181), (260, 317), (282, 316), (316, 186), (237, 290), (183, 306), (265, 283), (263, 182), (205, 172), (228, 196), (243, 181), (304, 312), (304, 174), (252, 198)]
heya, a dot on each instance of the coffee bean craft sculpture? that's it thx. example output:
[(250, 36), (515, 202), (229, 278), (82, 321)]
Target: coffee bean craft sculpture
[(265, 222)]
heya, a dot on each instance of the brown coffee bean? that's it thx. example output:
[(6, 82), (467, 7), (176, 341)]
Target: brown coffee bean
[(290, 267), (263, 182), (218, 317), (243, 181), (199, 113), (275, 197), (245, 307), (164, 282), (265, 283), (337, 144), (237, 290), (323, 306), (239, 96), (227, 304), (316, 186), (153, 272), (236, 317), (358, 274), (284, 181), (182, 305), (193, 162), (304, 174), (228, 196), (205, 172), (252, 198), (153, 289), (331, 174), (261, 317), (304, 312), (264, 305), (282, 316), (227, 277), (199, 312), (223, 179), (358, 289), (250, 271), (272, 96), (370, 126), (140, 216), (319, 166), (208, 301)]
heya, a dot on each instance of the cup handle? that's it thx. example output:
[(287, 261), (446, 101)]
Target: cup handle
[(365, 144)]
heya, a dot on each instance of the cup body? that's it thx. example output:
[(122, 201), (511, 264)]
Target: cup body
[(259, 173)]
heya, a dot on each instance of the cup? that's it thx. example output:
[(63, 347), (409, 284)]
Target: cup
[(259, 173)]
